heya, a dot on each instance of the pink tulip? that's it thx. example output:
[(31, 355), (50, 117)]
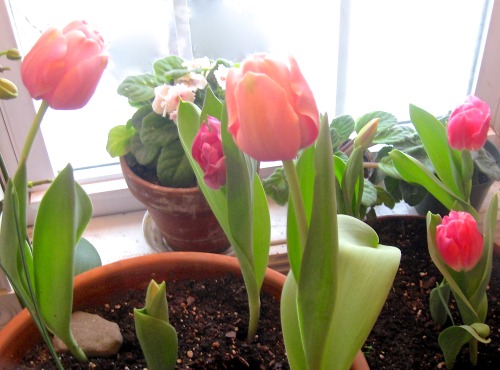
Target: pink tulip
[(459, 241), (272, 111), (207, 151), (64, 67), (468, 125)]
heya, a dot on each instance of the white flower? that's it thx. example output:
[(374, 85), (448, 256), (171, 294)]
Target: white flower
[(167, 98), (193, 80), (198, 63), (221, 75)]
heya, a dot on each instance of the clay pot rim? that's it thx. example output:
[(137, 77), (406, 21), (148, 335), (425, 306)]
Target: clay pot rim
[(127, 171)]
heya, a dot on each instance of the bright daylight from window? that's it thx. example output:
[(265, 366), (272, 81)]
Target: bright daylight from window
[(381, 55)]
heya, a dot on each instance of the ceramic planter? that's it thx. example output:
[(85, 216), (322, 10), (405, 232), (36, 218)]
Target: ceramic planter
[(182, 215), (95, 286)]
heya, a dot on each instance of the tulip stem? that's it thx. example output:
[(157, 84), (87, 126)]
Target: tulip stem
[(298, 202), (35, 126)]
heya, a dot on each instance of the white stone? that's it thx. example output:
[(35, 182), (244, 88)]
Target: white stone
[(96, 336)]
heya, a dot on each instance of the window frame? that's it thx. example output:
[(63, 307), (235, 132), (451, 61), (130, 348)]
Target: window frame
[(110, 194)]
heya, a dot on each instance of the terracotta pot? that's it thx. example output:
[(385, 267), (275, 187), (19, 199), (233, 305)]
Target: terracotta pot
[(94, 287), (182, 215)]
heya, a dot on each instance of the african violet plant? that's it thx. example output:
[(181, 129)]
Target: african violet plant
[(460, 251), (63, 69), (150, 137), (340, 275)]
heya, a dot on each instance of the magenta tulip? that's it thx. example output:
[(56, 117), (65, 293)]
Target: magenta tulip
[(64, 66), (271, 109), (459, 241), (468, 125), (207, 151)]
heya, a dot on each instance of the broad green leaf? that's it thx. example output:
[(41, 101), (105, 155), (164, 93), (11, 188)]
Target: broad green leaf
[(119, 139), (434, 138), (86, 257), (138, 88), (64, 212), (343, 126), (438, 302), (276, 186), (452, 339), (366, 274), (305, 171), (173, 167), (290, 324), (401, 136), (157, 130), (144, 155), (387, 121), (319, 269), (414, 172), (487, 164), (169, 68)]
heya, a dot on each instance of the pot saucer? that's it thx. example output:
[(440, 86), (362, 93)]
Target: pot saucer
[(155, 239)]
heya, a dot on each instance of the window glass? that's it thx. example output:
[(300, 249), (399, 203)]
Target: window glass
[(358, 55)]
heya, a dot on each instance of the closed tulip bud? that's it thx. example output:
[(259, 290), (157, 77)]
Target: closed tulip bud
[(468, 125), (64, 66), (366, 134), (13, 54), (7, 89), (459, 241), (207, 151), (271, 109)]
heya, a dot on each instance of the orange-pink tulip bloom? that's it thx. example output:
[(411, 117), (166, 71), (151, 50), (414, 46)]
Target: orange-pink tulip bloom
[(272, 111), (468, 125), (64, 66), (459, 241)]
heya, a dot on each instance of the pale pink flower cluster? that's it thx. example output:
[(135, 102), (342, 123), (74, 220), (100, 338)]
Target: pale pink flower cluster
[(167, 98), (221, 75)]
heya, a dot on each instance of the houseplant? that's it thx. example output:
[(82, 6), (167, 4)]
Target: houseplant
[(329, 256), (62, 69), (460, 251), (153, 162)]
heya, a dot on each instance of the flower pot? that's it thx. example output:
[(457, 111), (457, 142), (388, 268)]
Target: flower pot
[(405, 336), (95, 287), (182, 215)]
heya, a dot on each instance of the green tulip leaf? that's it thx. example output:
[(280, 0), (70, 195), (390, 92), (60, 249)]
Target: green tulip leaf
[(158, 339), (452, 339), (86, 257), (64, 212), (438, 302)]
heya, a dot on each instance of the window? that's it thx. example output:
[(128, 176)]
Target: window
[(358, 56)]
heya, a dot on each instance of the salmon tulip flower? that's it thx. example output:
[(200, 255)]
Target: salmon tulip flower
[(459, 241), (468, 125), (64, 66), (207, 151), (271, 109)]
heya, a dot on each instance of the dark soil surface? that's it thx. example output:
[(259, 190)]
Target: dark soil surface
[(210, 318), (405, 337)]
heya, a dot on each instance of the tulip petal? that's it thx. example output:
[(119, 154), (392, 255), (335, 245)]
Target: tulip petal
[(261, 122)]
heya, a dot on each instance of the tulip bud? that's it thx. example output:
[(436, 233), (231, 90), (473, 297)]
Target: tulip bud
[(459, 241), (366, 134), (207, 151), (7, 89), (468, 125), (13, 54)]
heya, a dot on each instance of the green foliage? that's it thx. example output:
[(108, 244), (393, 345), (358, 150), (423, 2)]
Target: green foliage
[(150, 139), (340, 277), (240, 206), (158, 339)]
